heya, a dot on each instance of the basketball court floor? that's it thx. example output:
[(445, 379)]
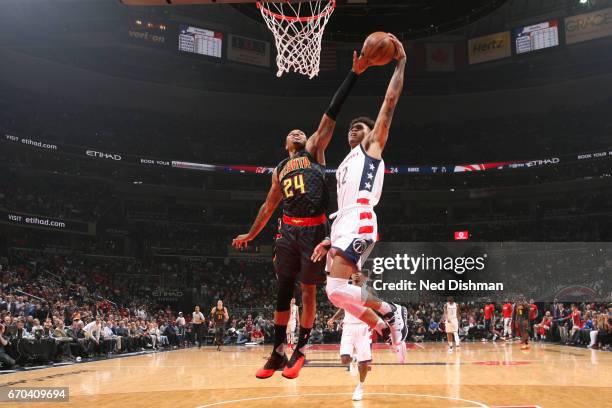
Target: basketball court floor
[(477, 375)]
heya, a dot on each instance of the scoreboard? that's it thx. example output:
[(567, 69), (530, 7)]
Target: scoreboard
[(200, 41), (536, 37)]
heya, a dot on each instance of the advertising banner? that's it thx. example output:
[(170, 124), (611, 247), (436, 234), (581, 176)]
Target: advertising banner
[(248, 50), (585, 27), (489, 47), (42, 221)]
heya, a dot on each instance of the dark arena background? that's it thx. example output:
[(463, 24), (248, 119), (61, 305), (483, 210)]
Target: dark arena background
[(140, 138)]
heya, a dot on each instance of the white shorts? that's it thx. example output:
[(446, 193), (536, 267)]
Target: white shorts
[(291, 327), (354, 233), (451, 326), (356, 340)]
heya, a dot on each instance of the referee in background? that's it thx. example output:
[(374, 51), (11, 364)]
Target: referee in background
[(198, 326)]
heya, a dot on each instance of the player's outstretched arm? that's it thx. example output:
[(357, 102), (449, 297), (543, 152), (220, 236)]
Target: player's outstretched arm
[(275, 195), (320, 139), (375, 142)]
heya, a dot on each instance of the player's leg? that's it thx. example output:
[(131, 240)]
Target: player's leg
[(346, 345), (309, 311), (525, 334), (363, 348), (287, 267), (278, 358), (507, 328), (219, 337), (449, 338), (309, 307), (310, 275), (352, 299)]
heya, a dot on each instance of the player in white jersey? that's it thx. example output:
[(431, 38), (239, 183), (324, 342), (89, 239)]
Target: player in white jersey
[(293, 323), (355, 230), (356, 342), (451, 323)]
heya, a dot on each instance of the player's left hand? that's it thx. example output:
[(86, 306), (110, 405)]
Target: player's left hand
[(320, 250), (400, 53), (360, 64), (241, 241)]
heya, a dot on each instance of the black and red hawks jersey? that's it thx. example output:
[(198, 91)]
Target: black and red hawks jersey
[(302, 181)]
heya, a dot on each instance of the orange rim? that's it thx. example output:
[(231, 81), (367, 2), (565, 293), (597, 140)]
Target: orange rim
[(328, 10)]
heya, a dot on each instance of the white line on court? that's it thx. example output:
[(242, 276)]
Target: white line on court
[(478, 404)]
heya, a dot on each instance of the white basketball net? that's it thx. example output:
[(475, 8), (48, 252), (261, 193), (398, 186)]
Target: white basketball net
[(298, 36)]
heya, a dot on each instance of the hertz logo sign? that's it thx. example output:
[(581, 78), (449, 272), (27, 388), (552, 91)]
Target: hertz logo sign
[(489, 48), (585, 27)]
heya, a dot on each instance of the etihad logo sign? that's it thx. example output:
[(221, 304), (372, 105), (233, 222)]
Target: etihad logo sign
[(585, 27), (543, 162), (102, 155), (489, 48)]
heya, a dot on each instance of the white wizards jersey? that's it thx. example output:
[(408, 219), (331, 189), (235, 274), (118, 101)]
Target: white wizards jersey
[(359, 179), (451, 311)]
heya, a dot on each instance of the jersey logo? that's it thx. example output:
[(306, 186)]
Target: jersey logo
[(296, 163), (360, 245)]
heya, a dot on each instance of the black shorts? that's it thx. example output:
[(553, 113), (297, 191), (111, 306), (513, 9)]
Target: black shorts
[(293, 250)]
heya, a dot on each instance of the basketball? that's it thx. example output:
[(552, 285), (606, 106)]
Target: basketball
[(378, 48)]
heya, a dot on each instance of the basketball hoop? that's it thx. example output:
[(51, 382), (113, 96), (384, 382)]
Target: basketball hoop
[(298, 36)]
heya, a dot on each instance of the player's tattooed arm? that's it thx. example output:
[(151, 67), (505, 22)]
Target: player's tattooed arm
[(275, 195), (375, 142)]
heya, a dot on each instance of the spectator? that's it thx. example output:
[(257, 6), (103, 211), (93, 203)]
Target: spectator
[(6, 360)]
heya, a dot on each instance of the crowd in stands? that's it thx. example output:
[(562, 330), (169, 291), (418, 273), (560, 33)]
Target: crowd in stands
[(58, 308), (54, 198), (579, 324)]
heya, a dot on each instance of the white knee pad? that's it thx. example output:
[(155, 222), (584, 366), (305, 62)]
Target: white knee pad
[(333, 294), (345, 296)]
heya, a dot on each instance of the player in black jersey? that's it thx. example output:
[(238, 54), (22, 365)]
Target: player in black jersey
[(299, 181), (219, 316)]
